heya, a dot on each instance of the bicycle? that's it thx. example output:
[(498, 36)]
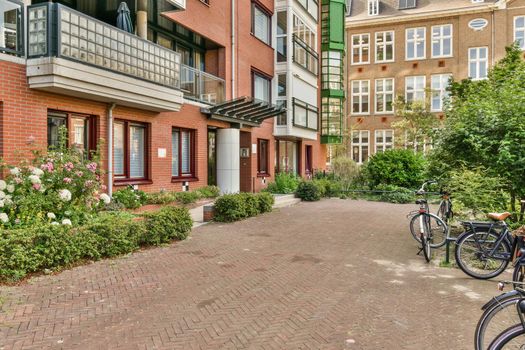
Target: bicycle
[(445, 207), (485, 249), (499, 314)]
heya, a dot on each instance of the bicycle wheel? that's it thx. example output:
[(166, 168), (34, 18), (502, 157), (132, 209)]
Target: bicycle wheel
[(427, 250), (496, 319), (433, 225), (518, 274), (442, 212), (472, 249), (512, 338)]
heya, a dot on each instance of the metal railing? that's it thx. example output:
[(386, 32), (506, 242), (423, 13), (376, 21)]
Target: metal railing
[(305, 56), (202, 86), (58, 31)]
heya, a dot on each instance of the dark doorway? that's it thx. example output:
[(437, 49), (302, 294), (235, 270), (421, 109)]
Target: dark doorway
[(212, 157), (308, 165)]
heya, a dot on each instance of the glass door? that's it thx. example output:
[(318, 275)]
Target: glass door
[(212, 157), (286, 159)]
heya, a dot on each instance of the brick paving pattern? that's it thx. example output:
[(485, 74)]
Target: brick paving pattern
[(328, 275)]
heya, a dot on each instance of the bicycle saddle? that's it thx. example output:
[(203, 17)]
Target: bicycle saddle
[(421, 201), (499, 216)]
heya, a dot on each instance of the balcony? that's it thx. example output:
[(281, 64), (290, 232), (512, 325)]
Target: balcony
[(73, 54), (305, 56), (200, 86)]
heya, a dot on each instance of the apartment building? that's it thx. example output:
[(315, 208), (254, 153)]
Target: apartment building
[(411, 48), (189, 98)]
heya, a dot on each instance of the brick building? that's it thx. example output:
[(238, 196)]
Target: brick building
[(410, 48), (195, 98)]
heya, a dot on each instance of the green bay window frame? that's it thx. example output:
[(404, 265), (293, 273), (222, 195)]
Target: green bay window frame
[(310, 118), (124, 144), (183, 165), (311, 58)]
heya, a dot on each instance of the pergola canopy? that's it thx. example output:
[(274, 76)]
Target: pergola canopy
[(244, 110)]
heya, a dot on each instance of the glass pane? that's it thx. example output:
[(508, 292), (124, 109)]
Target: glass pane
[(80, 133), (175, 153), (118, 148), (261, 25), (53, 125), (136, 151), (186, 152)]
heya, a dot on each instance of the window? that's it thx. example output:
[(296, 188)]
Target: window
[(281, 85), (130, 156), (308, 163), (415, 88), (385, 95), (360, 146), (11, 28), (442, 41), (262, 157), (304, 115), (332, 70), (282, 27), (312, 7), (286, 157), (415, 43), (282, 119), (385, 47), (407, 4), (478, 62), (439, 84), (360, 48), (261, 87), (519, 31), (384, 140), (260, 24), (373, 7), (304, 44), (182, 153), (478, 24), (360, 96), (80, 130)]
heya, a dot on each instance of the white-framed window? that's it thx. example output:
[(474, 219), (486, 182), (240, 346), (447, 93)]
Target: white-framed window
[(415, 88), (519, 31), (384, 47), (439, 84), (360, 97), (360, 146), (384, 98), (442, 40), (384, 140), (478, 59), (261, 24), (360, 48), (420, 144), (415, 43), (373, 7), (281, 37)]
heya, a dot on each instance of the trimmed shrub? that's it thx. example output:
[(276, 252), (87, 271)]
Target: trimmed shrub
[(395, 194), (266, 201), (130, 198), (188, 197), (166, 224), (251, 204), (163, 197), (399, 167), (284, 183), (309, 191), (329, 188), (230, 207), (209, 191)]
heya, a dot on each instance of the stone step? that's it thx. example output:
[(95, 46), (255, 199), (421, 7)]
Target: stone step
[(287, 200)]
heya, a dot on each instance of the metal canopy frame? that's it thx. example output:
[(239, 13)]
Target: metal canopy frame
[(244, 110)]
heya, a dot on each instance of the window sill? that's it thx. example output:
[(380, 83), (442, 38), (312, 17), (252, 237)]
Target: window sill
[(263, 175), (260, 40), (184, 179), (204, 3), (127, 182)]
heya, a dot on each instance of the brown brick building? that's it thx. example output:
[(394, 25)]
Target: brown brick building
[(411, 48), (190, 98)]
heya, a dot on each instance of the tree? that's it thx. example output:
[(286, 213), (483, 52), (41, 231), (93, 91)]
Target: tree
[(485, 126)]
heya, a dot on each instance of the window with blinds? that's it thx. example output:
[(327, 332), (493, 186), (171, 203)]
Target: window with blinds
[(130, 150), (261, 88), (182, 157), (260, 24), (119, 140), (136, 151)]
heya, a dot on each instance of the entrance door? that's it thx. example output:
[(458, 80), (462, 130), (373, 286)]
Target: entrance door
[(287, 159), (308, 166), (212, 157)]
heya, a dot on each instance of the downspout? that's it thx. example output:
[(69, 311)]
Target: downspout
[(493, 37), (110, 148), (233, 48)]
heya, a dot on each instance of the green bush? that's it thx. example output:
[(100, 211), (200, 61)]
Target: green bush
[(209, 191), (251, 204), (284, 183), (309, 191), (266, 201), (163, 197), (188, 197), (402, 168), (329, 188), (130, 198), (167, 224), (395, 194)]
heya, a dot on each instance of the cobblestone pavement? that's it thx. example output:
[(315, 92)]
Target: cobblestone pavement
[(328, 275)]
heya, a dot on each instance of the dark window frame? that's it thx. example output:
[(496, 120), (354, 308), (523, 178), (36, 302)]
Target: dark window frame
[(126, 177), (192, 175), (20, 28), (268, 13), (92, 132), (260, 161), (310, 52), (407, 4), (309, 109), (261, 74)]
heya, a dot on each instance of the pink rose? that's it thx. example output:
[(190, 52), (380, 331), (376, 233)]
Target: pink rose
[(88, 183), (18, 180), (92, 167), (69, 166), (79, 173), (36, 186), (103, 187), (49, 166), (68, 180)]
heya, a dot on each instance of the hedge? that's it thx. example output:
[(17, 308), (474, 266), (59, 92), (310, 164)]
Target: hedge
[(234, 207), (50, 247)]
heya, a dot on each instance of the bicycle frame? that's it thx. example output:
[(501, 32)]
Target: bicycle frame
[(504, 234)]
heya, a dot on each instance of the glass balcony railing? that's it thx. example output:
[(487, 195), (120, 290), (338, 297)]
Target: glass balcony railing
[(200, 86), (305, 56), (58, 31)]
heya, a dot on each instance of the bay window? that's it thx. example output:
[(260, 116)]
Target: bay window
[(130, 150), (182, 153)]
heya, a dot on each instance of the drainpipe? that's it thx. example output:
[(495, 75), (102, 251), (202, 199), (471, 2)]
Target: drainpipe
[(142, 18), (233, 48), (493, 37), (110, 148)]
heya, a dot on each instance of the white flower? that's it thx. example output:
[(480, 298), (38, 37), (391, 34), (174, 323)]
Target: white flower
[(105, 198), (2, 194), (66, 222), (11, 188), (51, 216), (55, 223), (34, 179), (8, 200), (3, 185), (14, 171), (42, 189), (65, 195), (4, 218), (1, 204), (37, 172)]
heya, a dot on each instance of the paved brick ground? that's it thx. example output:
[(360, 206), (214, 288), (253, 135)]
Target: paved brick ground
[(328, 275)]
